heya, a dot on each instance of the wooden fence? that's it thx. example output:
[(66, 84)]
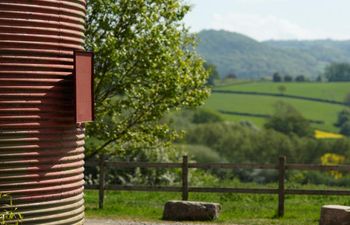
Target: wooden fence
[(281, 167)]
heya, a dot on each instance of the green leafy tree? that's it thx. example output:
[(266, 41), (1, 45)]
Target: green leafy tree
[(288, 78), (145, 67), (288, 120), (206, 116), (338, 72), (347, 99), (300, 78), (276, 77), (345, 128), (213, 73), (343, 117), (282, 89), (231, 75)]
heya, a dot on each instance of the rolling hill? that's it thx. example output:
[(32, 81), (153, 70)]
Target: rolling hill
[(248, 58), (256, 108)]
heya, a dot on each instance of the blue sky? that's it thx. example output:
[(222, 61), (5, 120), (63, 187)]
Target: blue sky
[(274, 19)]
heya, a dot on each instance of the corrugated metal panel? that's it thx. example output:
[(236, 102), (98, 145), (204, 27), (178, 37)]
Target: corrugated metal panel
[(41, 149)]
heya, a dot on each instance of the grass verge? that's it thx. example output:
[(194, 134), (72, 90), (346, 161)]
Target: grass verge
[(242, 209)]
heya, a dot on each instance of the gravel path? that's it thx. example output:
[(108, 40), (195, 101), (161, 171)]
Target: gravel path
[(130, 222)]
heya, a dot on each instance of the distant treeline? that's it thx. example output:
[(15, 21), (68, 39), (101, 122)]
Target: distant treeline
[(338, 72)]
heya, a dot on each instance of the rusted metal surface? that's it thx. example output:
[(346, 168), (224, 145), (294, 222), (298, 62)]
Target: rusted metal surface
[(41, 148), (84, 97)]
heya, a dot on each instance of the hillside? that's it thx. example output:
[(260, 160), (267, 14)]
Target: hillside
[(325, 51), (255, 107), (248, 58)]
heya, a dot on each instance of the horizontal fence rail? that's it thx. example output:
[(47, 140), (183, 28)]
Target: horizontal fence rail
[(123, 165), (281, 167)]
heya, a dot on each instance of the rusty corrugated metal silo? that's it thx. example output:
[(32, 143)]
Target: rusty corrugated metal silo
[(41, 147)]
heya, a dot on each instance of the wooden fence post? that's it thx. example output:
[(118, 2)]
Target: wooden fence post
[(281, 188), (101, 194), (185, 178)]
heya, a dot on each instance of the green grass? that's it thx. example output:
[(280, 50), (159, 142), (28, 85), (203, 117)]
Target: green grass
[(229, 82), (264, 105), (335, 91), (242, 209), (312, 110)]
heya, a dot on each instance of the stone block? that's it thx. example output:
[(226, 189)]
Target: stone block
[(191, 211), (335, 215)]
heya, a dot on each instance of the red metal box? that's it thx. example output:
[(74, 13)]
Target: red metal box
[(84, 97)]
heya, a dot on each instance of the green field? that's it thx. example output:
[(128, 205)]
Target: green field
[(329, 91), (242, 209), (256, 104)]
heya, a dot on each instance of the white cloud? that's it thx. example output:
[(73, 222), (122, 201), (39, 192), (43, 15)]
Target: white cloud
[(262, 27)]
